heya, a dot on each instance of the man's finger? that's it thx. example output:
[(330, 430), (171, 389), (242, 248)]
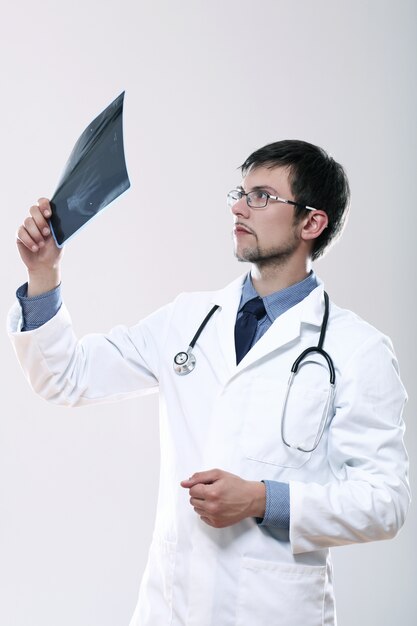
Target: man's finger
[(198, 491), (208, 477), (199, 511), (45, 207)]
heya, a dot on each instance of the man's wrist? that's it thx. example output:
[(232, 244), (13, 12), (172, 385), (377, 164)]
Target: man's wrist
[(258, 499), (43, 281)]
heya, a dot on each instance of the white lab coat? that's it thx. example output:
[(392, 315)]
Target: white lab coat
[(352, 488)]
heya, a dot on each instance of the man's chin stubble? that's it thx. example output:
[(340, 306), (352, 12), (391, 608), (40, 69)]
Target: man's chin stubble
[(269, 258)]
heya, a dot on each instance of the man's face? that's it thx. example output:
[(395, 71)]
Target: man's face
[(269, 235)]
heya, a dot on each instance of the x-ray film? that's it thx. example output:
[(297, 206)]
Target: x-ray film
[(95, 174)]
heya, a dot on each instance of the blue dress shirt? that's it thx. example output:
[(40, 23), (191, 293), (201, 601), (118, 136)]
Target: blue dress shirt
[(38, 310)]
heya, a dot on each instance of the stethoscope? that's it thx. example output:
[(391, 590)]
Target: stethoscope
[(184, 363)]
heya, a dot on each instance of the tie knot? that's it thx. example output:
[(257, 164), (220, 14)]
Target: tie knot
[(255, 306)]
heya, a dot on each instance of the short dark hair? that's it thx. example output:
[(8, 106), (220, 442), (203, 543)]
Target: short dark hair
[(316, 179)]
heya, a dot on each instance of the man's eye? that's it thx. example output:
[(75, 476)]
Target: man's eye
[(259, 194)]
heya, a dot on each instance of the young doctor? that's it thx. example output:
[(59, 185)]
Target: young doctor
[(258, 478)]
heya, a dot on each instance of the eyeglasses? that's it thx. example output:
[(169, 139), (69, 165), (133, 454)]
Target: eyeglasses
[(259, 199)]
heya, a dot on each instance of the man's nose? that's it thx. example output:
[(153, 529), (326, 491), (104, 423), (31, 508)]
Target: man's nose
[(240, 207)]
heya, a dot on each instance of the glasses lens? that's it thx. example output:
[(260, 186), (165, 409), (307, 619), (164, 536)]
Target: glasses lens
[(258, 199), (233, 196)]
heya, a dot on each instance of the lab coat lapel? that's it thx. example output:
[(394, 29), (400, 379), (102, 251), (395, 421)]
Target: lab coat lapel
[(287, 327)]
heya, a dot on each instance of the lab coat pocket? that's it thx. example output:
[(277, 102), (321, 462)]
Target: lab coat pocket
[(293, 594), (261, 432)]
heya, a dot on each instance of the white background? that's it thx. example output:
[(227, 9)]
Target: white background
[(207, 82)]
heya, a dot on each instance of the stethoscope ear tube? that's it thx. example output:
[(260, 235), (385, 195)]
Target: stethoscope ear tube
[(320, 351), (302, 447), (294, 369)]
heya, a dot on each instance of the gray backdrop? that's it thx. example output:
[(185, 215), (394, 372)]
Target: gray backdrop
[(207, 82)]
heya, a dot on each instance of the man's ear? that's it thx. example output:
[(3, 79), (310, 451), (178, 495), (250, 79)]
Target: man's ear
[(314, 225)]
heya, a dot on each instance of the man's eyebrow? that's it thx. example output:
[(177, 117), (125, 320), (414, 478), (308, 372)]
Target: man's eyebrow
[(265, 187), (260, 188)]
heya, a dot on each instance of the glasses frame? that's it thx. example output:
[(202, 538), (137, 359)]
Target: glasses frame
[(267, 199)]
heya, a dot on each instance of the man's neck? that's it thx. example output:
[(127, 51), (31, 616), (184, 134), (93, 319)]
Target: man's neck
[(267, 279)]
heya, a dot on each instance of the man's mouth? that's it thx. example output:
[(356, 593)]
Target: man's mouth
[(240, 228)]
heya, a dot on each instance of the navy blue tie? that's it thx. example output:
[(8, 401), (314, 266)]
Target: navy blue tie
[(246, 325)]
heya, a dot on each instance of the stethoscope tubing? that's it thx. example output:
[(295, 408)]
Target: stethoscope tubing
[(203, 325)]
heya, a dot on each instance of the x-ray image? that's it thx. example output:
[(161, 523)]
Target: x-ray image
[(94, 175)]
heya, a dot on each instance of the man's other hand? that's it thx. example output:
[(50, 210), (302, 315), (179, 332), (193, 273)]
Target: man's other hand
[(222, 499)]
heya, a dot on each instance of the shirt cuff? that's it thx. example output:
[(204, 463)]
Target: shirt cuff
[(277, 507), (37, 310)]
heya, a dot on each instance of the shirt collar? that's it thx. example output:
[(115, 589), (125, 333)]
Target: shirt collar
[(280, 301)]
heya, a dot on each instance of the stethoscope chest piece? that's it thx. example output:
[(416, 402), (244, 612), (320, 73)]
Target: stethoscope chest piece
[(184, 362)]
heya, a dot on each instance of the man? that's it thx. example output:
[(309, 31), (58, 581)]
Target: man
[(256, 485)]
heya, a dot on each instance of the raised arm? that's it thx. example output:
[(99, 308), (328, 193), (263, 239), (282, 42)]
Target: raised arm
[(38, 250)]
